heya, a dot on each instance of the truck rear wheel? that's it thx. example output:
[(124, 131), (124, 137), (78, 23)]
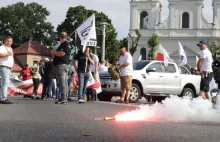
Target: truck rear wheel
[(135, 93), (188, 92)]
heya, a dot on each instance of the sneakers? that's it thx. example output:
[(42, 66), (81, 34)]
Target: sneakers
[(61, 102), (81, 101), (6, 102)]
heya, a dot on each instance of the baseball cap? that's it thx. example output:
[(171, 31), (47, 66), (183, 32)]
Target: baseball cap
[(46, 59), (201, 43)]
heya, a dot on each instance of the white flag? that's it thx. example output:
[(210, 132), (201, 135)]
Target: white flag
[(162, 55), (87, 31), (182, 54), (91, 79), (140, 58)]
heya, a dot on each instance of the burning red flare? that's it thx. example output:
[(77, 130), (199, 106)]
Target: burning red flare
[(135, 115)]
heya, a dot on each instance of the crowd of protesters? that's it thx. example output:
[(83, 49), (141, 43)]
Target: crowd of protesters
[(84, 65), (56, 74)]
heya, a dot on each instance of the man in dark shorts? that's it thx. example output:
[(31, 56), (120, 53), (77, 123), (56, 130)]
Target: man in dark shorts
[(60, 62), (204, 65)]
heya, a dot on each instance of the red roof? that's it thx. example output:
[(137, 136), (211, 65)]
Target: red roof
[(17, 67), (32, 47)]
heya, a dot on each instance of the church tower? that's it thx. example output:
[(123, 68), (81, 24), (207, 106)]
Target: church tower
[(216, 13), (145, 14), (185, 14)]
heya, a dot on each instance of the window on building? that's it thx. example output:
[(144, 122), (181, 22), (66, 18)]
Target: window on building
[(185, 20), (144, 20), (143, 53)]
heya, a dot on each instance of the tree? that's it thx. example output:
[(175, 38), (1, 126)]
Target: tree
[(215, 50), (77, 15), (152, 43), (134, 41), (25, 22), (124, 42)]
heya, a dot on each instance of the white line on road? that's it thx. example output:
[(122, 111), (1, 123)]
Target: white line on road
[(121, 104)]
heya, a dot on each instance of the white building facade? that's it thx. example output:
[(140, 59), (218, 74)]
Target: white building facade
[(185, 23)]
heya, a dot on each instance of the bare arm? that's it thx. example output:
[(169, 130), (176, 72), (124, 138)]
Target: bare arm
[(57, 53), (90, 60), (199, 63), (124, 65), (6, 54), (96, 70)]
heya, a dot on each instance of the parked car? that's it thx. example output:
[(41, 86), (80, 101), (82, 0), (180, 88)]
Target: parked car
[(152, 78)]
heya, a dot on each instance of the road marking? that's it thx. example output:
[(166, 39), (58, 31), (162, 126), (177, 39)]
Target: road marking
[(120, 104)]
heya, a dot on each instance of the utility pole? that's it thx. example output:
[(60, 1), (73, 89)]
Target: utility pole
[(103, 40)]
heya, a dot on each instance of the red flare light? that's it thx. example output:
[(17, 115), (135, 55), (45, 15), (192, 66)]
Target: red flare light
[(136, 115)]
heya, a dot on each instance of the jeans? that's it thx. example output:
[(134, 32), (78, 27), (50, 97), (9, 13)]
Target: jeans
[(47, 88), (4, 82), (69, 80), (83, 80), (58, 93), (61, 76)]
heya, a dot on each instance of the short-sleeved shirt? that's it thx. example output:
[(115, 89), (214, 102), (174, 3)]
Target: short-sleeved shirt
[(26, 74), (95, 59), (35, 69), (207, 62), (83, 62), (102, 68), (64, 46), (126, 71), (7, 61)]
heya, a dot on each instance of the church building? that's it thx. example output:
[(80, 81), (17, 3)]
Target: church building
[(185, 23)]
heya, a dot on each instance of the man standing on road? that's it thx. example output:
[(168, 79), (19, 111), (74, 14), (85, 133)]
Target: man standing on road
[(204, 65), (84, 62), (126, 67), (61, 61), (6, 63)]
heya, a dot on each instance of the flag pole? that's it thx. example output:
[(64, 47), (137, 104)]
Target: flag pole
[(71, 34)]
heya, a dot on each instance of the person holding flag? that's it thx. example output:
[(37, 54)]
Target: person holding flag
[(84, 61)]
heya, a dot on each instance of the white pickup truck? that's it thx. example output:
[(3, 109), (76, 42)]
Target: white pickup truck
[(153, 78)]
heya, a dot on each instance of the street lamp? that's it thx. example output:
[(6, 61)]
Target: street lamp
[(103, 39)]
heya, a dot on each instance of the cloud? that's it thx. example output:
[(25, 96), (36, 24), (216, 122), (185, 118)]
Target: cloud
[(117, 10)]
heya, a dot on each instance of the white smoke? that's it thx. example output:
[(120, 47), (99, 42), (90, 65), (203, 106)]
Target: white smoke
[(175, 109)]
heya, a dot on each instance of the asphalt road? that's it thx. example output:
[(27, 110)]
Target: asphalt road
[(42, 121)]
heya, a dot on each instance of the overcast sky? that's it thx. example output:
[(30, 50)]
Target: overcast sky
[(117, 10)]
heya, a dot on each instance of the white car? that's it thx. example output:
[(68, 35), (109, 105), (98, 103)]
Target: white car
[(152, 78)]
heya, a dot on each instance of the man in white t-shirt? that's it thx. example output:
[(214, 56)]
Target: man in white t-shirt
[(204, 65), (126, 68), (103, 67), (6, 63), (94, 67)]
